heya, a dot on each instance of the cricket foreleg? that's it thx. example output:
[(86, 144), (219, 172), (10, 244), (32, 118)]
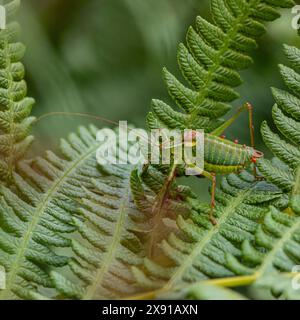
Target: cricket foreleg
[(252, 139), (212, 177)]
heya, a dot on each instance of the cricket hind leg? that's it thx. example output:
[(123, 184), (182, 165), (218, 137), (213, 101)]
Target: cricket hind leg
[(245, 107)]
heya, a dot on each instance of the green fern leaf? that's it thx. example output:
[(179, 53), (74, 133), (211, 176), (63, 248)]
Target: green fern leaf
[(274, 253), (275, 249), (210, 62), (108, 245), (15, 107), (37, 212), (286, 114)]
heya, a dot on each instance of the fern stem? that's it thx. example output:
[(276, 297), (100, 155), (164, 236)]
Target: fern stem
[(232, 282), (229, 282)]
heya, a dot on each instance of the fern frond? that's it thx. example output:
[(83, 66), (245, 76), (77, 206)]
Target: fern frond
[(198, 252), (210, 62), (38, 210), (271, 256), (108, 245), (15, 106), (274, 253), (275, 249), (285, 144)]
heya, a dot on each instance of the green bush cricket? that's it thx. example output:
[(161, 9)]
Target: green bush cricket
[(222, 156)]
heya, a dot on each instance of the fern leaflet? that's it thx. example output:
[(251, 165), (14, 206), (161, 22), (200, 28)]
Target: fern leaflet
[(286, 115), (15, 107), (275, 250), (108, 245)]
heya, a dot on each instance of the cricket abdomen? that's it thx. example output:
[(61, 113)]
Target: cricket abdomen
[(221, 169), (223, 156)]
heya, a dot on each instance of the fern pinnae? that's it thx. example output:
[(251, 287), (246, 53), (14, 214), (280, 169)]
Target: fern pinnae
[(210, 62), (273, 254), (15, 107), (52, 196), (37, 212), (199, 251), (285, 145), (157, 211), (108, 244), (274, 251)]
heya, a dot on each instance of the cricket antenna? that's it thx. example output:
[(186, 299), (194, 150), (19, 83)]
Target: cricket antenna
[(80, 114), (77, 114)]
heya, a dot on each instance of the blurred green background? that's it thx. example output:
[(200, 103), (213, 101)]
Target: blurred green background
[(105, 57)]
